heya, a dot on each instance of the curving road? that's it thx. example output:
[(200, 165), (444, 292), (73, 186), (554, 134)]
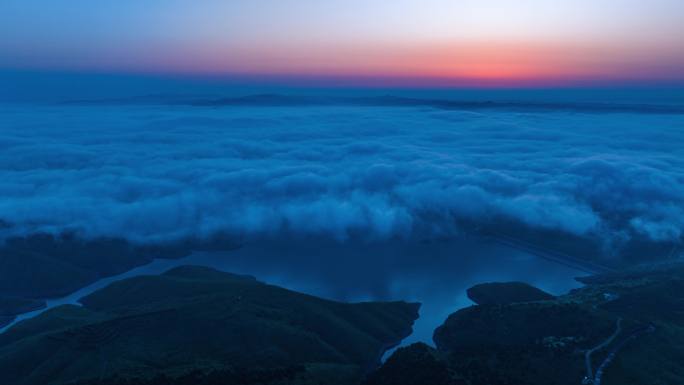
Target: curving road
[(611, 356), (595, 378), (590, 379)]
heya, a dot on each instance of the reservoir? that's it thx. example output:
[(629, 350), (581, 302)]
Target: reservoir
[(434, 273)]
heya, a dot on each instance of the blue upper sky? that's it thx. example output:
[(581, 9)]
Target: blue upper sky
[(404, 42)]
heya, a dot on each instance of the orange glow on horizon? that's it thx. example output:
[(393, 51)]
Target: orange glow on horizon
[(484, 63), (488, 62)]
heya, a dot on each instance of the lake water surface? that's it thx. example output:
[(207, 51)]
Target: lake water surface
[(436, 274)]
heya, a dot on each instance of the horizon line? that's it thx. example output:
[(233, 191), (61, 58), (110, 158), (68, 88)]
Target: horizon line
[(361, 81)]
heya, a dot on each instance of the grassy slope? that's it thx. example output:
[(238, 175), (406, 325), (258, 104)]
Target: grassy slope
[(196, 318), (11, 306), (44, 266)]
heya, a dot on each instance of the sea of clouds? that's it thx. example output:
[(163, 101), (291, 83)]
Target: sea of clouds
[(158, 173)]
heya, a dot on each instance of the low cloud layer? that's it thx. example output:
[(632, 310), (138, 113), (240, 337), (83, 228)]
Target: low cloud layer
[(156, 173)]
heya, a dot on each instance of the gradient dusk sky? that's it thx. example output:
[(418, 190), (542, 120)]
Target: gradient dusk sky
[(459, 42)]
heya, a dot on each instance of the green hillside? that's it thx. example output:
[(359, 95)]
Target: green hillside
[(13, 306), (196, 321), (631, 323)]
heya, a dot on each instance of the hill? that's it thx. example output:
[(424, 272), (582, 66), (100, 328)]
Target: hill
[(620, 329), (496, 293), (192, 323)]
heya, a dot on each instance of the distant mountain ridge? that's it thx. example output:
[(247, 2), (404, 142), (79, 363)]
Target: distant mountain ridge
[(283, 100)]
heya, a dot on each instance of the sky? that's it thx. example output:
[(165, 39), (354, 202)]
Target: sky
[(428, 42)]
